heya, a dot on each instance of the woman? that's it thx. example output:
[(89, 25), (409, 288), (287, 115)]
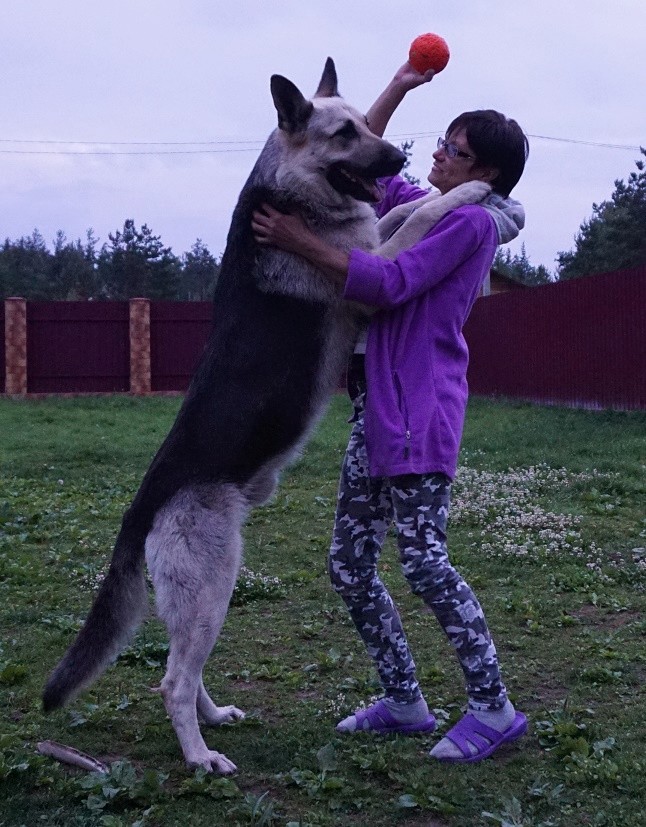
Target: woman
[(410, 399)]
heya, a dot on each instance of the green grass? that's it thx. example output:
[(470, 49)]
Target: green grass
[(548, 525)]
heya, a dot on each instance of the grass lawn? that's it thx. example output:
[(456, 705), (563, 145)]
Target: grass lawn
[(549, 526)]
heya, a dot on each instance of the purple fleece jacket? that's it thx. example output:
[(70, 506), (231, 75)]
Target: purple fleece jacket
[(416, 355)]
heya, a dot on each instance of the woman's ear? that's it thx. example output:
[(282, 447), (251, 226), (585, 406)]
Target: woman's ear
[(488, 174)]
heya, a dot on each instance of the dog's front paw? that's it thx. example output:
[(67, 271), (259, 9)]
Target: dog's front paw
[(213, 761)]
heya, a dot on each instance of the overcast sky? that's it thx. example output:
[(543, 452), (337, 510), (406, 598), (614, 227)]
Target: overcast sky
[(185, 84)]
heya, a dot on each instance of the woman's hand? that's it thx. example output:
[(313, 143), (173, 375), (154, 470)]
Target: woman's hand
[(290, 233), (283, 230), (409, 78)]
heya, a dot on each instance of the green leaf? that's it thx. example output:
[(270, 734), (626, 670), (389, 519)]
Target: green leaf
[(13, 674), (407, 801), (326, 758)]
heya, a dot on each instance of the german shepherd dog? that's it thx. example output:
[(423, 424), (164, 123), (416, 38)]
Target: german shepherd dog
[(280, 339)]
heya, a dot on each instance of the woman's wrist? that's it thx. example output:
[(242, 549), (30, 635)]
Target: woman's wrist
[(332, 261), (404, 79)]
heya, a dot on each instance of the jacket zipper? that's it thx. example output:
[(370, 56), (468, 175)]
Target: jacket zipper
[(404, 412)]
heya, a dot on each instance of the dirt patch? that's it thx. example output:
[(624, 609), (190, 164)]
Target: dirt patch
[(595, 616), (240, 685), (545, 693), (307, 695)]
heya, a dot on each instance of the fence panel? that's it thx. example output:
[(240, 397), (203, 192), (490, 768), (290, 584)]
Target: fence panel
[(178, 333), (3, 358), (78, 347), (579, 342)]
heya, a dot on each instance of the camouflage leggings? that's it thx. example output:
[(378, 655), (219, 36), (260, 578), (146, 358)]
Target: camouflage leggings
[(419, 507)]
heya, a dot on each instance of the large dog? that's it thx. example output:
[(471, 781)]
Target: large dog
[(279, 342)]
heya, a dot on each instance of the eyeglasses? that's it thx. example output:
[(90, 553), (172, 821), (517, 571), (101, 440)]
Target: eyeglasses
[(452, 150)]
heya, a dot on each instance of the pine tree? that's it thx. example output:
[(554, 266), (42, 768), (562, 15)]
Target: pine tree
[(407, 148), (519, 268), (71, 270), (24, 267), (200, 272), (136, 263), (614, 238)]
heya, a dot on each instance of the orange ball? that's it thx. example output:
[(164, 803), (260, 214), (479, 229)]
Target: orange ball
[(428, 51)]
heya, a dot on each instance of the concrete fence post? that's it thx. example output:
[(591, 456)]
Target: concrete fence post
[(140, 380), (15, 334)]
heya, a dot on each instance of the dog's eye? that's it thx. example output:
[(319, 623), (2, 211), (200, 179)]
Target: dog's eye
[(347, 131)]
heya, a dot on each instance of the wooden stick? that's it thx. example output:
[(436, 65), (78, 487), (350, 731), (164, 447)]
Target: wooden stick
[(69, 755)]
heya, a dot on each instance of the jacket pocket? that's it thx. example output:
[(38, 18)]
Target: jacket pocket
[(403, 409)]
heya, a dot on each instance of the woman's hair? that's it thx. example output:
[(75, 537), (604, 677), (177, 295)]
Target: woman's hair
[(497, 142)]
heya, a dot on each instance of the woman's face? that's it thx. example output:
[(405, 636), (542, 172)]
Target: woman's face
[(448, 172)]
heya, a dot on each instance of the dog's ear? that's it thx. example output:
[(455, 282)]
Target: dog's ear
[(293, 109), (328, 87)]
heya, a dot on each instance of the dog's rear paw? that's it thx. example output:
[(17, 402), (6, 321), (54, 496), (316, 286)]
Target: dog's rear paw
[(214, 761), (231, 713), (221, 715)]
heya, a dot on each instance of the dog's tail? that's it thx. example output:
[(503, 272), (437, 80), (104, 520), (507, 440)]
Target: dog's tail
[(119, 608)]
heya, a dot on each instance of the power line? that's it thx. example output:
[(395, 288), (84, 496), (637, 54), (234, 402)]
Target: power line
[(225, 146), (125, 143), (123, 152), (601, 144), (632, 147)]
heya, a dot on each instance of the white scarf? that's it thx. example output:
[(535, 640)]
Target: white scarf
[(406, 224)]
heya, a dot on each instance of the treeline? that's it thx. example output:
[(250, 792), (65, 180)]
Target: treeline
[(519, 268), (133, 262), (614, 237)]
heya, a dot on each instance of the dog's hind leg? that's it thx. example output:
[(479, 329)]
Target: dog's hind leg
[(193, 553)]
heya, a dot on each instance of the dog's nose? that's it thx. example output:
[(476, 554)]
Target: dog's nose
[(396, 160)]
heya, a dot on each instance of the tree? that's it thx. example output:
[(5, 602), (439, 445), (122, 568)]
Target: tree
[(88, 286), (24, 267), (73, 268), (519, 268), (407, 148), (200, 272), (136, 263), (614, 238)]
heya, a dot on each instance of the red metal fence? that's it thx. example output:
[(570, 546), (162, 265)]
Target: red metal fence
[(3, 352), (178, 332), (580, 342), (77, 347)]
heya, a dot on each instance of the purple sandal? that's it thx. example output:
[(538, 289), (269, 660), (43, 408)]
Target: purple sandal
[(378, 718), (470, 730)]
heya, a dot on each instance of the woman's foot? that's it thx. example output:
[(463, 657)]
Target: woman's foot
[(479, 734), (389, 716)]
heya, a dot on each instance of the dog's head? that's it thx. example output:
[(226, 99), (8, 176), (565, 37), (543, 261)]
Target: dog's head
[(329, 142)]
